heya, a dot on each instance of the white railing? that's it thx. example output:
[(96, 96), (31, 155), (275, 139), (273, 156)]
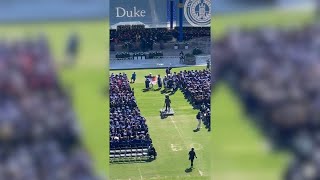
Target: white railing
[(162, 57)]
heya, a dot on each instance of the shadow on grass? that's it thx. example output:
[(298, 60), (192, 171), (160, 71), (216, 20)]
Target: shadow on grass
[(188, 170), (145, 90), (123, 161), (164, 91), (151, 89), (163, 117)]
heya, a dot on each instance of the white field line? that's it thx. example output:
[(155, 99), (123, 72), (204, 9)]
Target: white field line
[(141, 178), (180, 134), (200, 172)]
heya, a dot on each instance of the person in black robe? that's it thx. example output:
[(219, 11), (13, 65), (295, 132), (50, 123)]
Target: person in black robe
[(167, 102), (168, 70), (133, 77), (192, 155), (181, 57), (159, 82), (147, 83), (72, 48)]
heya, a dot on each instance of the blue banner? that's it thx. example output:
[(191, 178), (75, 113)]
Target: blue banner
[(156, 13), (171, 13)]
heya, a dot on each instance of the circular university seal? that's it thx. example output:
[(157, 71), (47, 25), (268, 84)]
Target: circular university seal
[(198, 12)]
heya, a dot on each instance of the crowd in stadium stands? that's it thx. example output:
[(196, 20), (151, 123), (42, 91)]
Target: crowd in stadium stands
[(144, 39), (196, 86), (127, 127), (39, 137), (277, 73)]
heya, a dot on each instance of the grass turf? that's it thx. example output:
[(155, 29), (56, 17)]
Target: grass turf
[(172, 137), (239, 151), (236, 150)]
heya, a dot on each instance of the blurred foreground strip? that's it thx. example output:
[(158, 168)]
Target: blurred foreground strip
[(276, 72), (39, 137)]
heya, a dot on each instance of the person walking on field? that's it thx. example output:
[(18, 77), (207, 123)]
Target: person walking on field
[(199, 117), (192, 155), (167, 102), (159, 82), (133, 77)]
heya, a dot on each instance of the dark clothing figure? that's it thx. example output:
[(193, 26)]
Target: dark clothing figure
[(133, 77), (192, 155), (147, 83), (152, 152), (182, 60), (168, 70), (170, 84), (149, 76), (167, 102), (72, 48), (199, 115), (175, 86), (159, 82), (181, 57), (73, 45), (165, 82)]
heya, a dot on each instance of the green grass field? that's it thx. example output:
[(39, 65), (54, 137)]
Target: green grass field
[(237, 149), (172, 137)]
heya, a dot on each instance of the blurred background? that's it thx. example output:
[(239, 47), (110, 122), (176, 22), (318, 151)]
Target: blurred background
[(265, 97), (56, 52), (54, 61), (233, 6)]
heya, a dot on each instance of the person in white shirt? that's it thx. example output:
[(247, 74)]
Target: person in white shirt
[(199, 117)]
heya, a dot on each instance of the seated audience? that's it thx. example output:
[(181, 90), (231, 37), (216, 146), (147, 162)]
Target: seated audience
[(127, 127), (276, 73), (39, 135)]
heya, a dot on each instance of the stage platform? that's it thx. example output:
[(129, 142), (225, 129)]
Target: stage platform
[(155, 63), (164, 113)]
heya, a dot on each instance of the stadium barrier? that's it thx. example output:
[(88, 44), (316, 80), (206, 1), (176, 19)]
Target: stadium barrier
[(130, 149), (162, 57), (129, 153)]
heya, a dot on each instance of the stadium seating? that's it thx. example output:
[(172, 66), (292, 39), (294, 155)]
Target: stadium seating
[(196, 86), (144, 39), (128, 129), (137, 152), (127, 144)]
